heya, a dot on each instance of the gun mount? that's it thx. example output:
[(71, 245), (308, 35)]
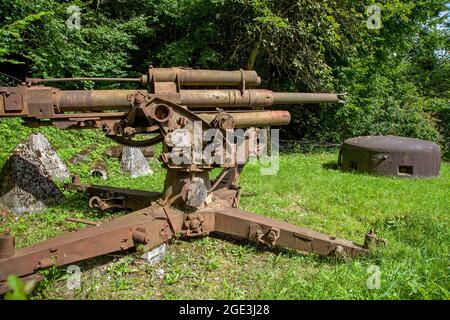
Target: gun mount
[(172, 106)]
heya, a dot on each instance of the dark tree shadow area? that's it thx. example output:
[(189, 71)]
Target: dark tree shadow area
[(333, 165)]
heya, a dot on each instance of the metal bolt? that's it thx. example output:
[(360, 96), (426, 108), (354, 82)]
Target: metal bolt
[(272, 235)]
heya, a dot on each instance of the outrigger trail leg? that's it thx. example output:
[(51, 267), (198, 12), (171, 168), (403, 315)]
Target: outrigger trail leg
[(143, 226), (278, 233), (152, 226)]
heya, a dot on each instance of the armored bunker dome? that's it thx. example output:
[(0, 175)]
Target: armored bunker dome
[(390, 156)]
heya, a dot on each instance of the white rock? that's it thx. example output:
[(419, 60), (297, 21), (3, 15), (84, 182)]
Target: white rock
[(134, 162), (37, 150), (154, 256)]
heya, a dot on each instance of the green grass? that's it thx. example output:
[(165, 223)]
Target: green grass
[(411, 214)]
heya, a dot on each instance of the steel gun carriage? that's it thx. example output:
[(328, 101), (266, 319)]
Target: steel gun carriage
[(168, 101)]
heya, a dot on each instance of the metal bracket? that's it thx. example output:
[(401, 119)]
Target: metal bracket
[(140, 235), (371, 240), (12, 101), (193, 225), (168, 214), (267, 236)]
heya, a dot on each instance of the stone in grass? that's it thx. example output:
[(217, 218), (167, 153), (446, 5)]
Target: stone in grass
[(26, 180), (134, 162), (154, 256)]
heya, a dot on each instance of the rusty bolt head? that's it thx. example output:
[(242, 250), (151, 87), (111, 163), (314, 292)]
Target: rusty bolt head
[(76, 179), (272, 236)]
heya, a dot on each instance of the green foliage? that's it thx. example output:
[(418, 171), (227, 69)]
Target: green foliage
[(10, 36), (101, 47), (20, 290)]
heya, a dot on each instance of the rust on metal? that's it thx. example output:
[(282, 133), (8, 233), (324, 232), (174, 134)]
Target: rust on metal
[(253, 118), (111, 197), (144, 226), (109, 237), (269, 231), (35, 278), (7, 244), (284, 98), (116, 152), (191, 77), (371, 240), (82, 221)]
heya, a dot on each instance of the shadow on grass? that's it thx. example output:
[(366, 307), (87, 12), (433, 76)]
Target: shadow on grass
[(60, 273), (333, 165)]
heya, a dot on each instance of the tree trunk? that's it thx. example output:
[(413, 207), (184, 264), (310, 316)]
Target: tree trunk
[(254, 53)]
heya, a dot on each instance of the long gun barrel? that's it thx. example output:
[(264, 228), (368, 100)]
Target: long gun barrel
[(20, 101), (77, 100), (285, 98), (183, 76), (199, 91)]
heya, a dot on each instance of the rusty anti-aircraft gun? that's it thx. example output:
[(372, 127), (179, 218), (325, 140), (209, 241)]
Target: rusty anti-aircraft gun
[(190, 204)]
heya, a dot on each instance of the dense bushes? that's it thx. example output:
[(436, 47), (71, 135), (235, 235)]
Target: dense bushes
[(396, 77)]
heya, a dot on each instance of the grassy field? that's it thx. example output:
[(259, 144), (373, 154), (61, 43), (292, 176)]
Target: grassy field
[(412, 215)]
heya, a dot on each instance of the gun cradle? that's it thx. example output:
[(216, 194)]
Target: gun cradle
[(191, 204)]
